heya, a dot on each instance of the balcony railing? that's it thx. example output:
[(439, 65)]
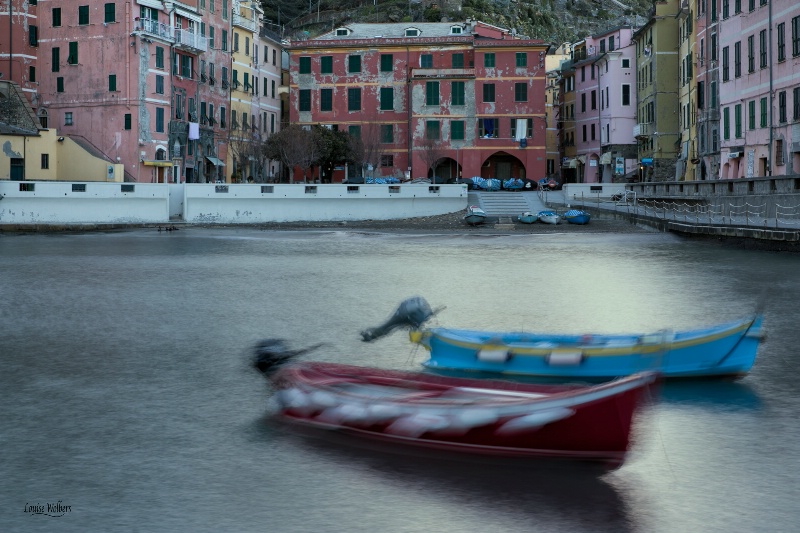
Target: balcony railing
[(156, 29), (243, 22), (192, 41), (443, 73)]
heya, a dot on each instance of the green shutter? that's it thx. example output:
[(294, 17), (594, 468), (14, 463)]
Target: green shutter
[(387, 63), (387, 98), (325, 64), (112, 82), (56, 59), (127, 121), (73, 53), (305, 65)]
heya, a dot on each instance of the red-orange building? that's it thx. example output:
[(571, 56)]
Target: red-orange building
[(469, 95)]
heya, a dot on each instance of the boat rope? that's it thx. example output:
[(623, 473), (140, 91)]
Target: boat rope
[(738, 342)]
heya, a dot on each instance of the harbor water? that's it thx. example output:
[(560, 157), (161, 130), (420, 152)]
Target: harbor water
[(128, 403)]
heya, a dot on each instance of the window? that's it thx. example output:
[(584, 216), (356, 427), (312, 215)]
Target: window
[(432, 130), (594, 99), (326, 65), (305, 65), (112, 82), (211, 40), (737, 6), (796, 100), (340, 32), (751, 114), (128, 118), (487, 127), (611, 43), (751, 54), (796, 36), (737, 59), (247, 46), (412, 32), (779, 152), (426, 61), (593, 132), (56, 17), (725, 74), (83, 15), (354, 131), (626, 94), (56, 59), (387, 63), (713, 93), (458, 60), (160, 119), (73, 53), (33, 35), (725, 9), (304, 99), (457, 93), (32, 74), (583, 102), (521, 92), (456, 30), (186, 66), (326, 100), (762, 48), (224, 40), (110, 12), (488, 60), (224, 9), (235, 42), (59, 84), (68, 118), (45, 161), (782, 106), (726, 123), (626, 63), (782, 41), (737, 115), (763, 112), (159, 84), (354, 99), (522, 59), (488, 92), (159, 57), (457, 130), (431, 93), (387, 133), (354, 63), (387, 161), (583, 138), (387, 98)]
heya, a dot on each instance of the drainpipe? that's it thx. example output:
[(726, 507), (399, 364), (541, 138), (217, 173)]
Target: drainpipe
[(10, 44), (409, 133), (771, 96)]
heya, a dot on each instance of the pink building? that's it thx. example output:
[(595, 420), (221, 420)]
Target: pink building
[(587, 109), (759, 94), (707, 76), (469, 96), (617, 87), (19, 42)]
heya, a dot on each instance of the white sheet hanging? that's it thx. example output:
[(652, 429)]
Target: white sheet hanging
[(194, 131)]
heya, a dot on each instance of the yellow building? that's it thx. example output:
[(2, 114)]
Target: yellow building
[(553, 109), (686, 166)]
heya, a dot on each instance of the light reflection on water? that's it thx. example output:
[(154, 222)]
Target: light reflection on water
[(126, 393)]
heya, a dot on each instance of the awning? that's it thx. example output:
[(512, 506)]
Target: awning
[(157, 163), (582, 159), (605, 159), (214, 161), (569, 163)]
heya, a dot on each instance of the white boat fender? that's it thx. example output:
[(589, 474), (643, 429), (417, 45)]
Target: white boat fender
[(322, 399), (494, 356), (473, 418), (348, 413), (534, 421), (296, 400), (381, 412), (416, 425)]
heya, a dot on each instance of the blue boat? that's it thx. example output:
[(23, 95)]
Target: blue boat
[(727, 349), (528, 218), (549, 217), (475, 215), (576, 216)]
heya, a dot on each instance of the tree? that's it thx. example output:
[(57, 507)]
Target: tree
[(294, 147), (432, 152), (334, 149)]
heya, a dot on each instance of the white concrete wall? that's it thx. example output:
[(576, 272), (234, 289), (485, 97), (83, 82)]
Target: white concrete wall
[(254, 203), (575, 192), (29, 202)]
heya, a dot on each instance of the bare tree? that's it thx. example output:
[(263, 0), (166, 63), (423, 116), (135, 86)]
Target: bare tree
[(432, 151), (245, 146), (294, 147)]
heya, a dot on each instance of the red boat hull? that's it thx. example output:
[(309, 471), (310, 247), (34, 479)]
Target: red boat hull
[(498, 418)]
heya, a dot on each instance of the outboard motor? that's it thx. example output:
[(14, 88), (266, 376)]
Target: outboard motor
[(411, 313), (271, 354)]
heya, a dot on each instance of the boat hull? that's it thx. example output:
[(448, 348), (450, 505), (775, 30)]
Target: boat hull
[(549, 217), (527, 218), (723, 350), (577, 217), (484, 417)]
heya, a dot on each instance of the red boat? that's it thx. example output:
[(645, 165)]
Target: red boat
[(502, 418)]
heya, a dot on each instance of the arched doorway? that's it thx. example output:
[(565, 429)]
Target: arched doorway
[(503, 166)]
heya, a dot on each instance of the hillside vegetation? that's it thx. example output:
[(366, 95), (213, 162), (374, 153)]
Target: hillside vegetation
[(554, 21)]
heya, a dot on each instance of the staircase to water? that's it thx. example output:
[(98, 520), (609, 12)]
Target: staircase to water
[(506, 203)]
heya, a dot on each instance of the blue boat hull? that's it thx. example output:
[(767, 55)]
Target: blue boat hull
[(724, 350)]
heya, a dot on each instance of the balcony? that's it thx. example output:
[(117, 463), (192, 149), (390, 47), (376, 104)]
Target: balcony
[(642, 130), (439, 73), (155, 29), (244, 22), (191, 42)]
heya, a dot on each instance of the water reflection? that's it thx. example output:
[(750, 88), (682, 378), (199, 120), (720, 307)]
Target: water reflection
[(726, 395), (540, 492)]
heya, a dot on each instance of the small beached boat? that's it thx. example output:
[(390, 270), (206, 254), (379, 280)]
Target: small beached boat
[(549, 217), (497, 418), (475, 215), (528, 218), (577, 216)]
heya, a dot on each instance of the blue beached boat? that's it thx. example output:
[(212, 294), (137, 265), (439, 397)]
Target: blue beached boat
[(528, 218), (727, 349), (576, 216)]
